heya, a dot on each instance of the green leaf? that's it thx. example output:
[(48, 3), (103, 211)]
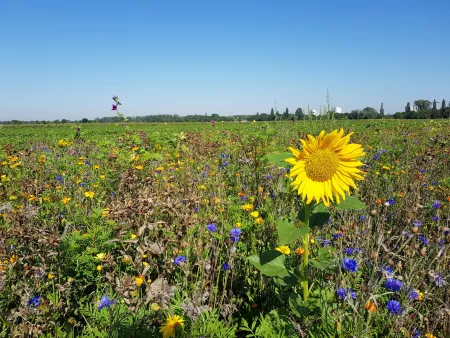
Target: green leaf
[(350, 203), (325, 259), (292, 279), (278, 159), (288, 232), (319, 215), (299, 307), (270, 263)]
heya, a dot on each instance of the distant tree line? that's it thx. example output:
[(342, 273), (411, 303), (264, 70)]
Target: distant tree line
[(425, 109), (422, 109)]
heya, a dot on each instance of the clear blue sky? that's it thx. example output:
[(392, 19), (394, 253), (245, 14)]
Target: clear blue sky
[(65, 59)]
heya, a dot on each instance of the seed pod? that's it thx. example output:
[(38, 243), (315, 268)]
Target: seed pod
[(391, 262), (423, 252), (373, 212), (374, 255), (399, 265), (415, 230)]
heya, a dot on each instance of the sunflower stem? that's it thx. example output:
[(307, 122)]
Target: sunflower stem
[(306, 256)]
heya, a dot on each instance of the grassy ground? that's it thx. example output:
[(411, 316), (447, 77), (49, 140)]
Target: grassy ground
[(126, 213)]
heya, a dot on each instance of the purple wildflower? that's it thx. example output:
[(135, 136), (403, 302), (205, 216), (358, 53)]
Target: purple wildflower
[(394, 307), (179, 259), (393, 284), (211, 227), (349, 264), (34, 301), (105, 301)]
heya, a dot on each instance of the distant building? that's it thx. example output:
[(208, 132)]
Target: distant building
[(337, 110), (314, 111)]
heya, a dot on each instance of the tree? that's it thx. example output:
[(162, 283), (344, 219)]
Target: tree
[(369, 113), (443, 104), (299, 114), (286, 114), (272, 115), (408, 108), (85, 120), (382, 109), (422, 104), (434, 105)]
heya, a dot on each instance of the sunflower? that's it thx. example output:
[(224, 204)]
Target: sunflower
[(169, 329), (327, 166)]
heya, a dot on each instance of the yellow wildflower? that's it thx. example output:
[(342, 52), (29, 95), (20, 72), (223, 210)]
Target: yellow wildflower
[(254, 214), (169, 329), (284, 249), (139, 280), (89, 194)]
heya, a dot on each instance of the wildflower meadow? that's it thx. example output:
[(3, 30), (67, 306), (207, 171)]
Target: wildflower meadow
[(225, 229)]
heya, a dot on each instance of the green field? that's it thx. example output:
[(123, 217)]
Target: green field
[(184, 219)]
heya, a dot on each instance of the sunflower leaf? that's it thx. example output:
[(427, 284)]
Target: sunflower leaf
[(288, 232), (270, 263), (278, 159), (350, 203), (318, 217)]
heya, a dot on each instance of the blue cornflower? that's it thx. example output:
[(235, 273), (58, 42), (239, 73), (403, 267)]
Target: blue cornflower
[(346, 293), (235, 232), (225, 266), (393, 284), (34, 301), (272, 195), (436, 204), (435, 183), (287, 170), (337, 234), (179, 259), (87, 163), (394, 307), (349, 251), (391, 201), (105, 301), (243, 198), (423, 240), (439, 280), (349, 264), (362, 218), (59, 178), (436, 218), (211, 227), (326, 242), (268, 176), (375, 157), (414, 294), (422, 170), (416, 333), (388, 270), (224, 164), (417, 223)]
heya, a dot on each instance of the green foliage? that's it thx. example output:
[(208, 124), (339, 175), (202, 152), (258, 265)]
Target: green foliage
[(270, 263), (209, 324), (350, 203), (276, 324), (288, 232), (279, 159)]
